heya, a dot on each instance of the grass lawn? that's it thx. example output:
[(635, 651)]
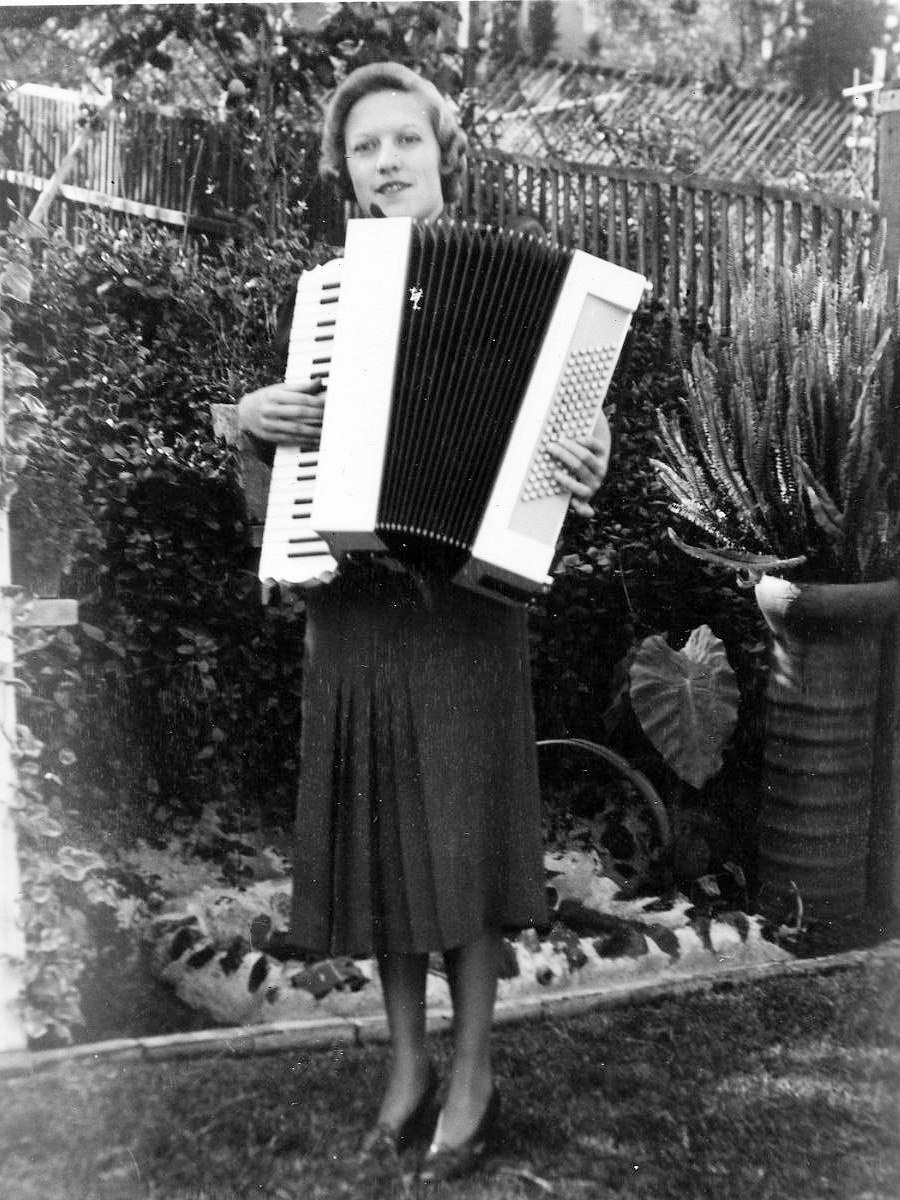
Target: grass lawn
[(784, 1089)]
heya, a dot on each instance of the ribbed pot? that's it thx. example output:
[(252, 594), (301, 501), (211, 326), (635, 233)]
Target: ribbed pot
[(825, 662)]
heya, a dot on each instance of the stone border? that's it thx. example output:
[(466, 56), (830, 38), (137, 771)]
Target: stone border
[(242, 1041)]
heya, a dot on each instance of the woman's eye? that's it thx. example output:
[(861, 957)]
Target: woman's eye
[(363, 147), (410, 138)]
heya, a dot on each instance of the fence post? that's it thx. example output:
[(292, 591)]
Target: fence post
[(889, 177), (884, 842)]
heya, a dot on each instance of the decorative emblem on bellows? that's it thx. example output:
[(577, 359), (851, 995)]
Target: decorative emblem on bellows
[(686, 701)]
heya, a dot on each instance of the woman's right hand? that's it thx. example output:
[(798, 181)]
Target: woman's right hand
[(284, 413)]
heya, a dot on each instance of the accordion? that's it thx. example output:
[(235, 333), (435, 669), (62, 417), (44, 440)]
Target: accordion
[(453, 357)]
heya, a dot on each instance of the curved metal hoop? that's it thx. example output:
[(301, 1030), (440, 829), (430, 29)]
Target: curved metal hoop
[(632, 774)]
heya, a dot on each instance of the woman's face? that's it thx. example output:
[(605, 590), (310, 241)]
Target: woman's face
[(393, 156)]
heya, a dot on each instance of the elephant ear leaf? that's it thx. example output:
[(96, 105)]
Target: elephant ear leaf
[(686, 701)]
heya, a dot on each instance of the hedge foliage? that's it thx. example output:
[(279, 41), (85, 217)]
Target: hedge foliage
[(178, 686)]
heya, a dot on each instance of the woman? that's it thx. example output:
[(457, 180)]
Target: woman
[(418, 822)]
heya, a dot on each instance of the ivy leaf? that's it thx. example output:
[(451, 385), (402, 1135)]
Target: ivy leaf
[(23, 228), (736, 873), (709, 885), (27, 744), (16, 281), (19, 377), (75, 864), (39, 823)]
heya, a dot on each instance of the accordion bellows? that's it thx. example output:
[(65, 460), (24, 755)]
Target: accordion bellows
[(453, 357)]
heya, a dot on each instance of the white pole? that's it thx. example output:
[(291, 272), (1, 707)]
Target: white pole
[(12, 934)]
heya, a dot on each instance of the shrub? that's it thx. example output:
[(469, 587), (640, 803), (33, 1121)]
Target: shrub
[(786, 456), (176, 690), (185, 688)]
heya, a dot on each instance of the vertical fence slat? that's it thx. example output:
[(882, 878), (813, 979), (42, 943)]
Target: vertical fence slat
[(611, 189), (83, 171), (595, 215), (104, 141), (706, 255), (155, 159), (739, 233), (815, 232), (553, 181), (145, 160), (837, 240), (656, 229), (642, 229), (500, 193), (568, 230), (581, 211), (674, 252), (796, 233), (180, 168), (690, 253), (759, 226), (778, 231), (167, 156), (191, 163), (115, 153), (724, 271), (623, 222)]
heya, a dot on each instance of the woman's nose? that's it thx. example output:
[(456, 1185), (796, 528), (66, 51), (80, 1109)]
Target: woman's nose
[(388, 157)]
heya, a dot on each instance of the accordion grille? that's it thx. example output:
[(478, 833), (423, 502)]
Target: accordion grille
[(477, 305)]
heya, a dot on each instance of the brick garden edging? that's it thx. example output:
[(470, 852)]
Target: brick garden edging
[(244, 1041)]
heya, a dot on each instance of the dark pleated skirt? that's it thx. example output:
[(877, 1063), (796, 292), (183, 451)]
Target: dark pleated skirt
[(418, 815)]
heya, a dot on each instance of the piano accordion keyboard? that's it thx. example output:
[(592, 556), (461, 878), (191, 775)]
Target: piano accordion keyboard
[(292, 551)]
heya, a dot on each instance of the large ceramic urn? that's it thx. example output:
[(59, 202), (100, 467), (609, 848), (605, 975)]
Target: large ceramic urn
[(831, 652)]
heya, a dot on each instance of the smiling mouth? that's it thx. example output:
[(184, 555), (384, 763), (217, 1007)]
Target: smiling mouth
[(389, 189)]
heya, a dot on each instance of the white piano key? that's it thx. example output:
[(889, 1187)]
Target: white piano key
[(292, 551)]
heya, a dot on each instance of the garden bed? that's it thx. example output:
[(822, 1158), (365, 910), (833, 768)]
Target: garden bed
[(214, 955)]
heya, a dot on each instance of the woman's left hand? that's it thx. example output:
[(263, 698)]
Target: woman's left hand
[(584, 463)]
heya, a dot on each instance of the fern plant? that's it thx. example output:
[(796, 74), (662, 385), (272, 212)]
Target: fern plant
[(786, 456)]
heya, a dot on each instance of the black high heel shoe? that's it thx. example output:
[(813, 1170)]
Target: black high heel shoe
[(451, 1162), (384, 1143)]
